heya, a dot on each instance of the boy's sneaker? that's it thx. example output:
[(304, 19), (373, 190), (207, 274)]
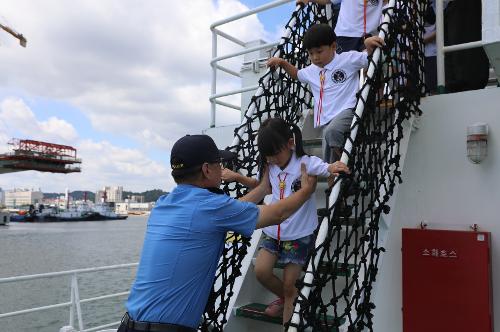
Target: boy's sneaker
[(275, 308)]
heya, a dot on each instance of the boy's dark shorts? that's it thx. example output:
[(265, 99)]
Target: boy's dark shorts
[(346, 44)]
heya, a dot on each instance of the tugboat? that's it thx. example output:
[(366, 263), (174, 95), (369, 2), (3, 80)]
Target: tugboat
[(107, 212), (81, 212)]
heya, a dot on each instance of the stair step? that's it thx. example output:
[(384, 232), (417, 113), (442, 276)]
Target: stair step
[(312, 142), (313, 147), (352, 222), (386, 103), (339, 269), (256, 311)]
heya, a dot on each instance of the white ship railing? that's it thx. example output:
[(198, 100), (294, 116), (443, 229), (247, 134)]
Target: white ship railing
[(215, 58), (75, 301)]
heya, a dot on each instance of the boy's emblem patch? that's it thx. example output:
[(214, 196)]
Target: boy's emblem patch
[(339, 76), (296, 184)]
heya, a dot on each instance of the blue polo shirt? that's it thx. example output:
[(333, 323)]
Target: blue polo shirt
[(184, 240)]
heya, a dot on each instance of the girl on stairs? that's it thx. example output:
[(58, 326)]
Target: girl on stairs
[(289, 244)]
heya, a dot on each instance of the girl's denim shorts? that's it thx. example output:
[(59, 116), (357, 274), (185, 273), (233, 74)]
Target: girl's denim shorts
[(292, 251)]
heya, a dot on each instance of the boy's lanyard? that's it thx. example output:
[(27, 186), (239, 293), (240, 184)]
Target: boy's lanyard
[(282, 185), (321, 92)]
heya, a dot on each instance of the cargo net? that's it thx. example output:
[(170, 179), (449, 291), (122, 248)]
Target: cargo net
[(340, 297)]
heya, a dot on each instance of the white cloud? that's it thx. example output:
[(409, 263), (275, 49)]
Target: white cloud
[(139, 69), (129, 65), (16, 116)]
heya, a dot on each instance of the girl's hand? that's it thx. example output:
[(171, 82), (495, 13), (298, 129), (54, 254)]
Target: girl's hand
[(229, 176), (338, 167)]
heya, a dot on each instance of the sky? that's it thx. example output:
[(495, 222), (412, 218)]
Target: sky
[(119, 80)]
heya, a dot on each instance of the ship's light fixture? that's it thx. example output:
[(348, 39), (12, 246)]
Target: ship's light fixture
[(477, 142)]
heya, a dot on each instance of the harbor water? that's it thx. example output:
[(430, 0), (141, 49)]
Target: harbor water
[(33, 248)]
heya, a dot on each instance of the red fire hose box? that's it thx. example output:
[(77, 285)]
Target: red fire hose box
[(446, 281)]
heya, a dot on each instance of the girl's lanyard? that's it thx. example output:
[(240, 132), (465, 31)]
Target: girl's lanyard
[(321, 92), (282, 185)]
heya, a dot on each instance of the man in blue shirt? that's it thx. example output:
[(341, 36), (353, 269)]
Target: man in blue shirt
[(186, 233)]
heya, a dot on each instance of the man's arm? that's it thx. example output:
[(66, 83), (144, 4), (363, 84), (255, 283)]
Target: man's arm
[(231, 176), (262, 189), (277, 213), (279, 62)]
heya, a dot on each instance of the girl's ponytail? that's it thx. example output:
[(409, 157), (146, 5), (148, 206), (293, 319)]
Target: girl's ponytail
[(297, 136)]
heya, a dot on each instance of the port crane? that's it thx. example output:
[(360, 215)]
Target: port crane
[(22, 39)]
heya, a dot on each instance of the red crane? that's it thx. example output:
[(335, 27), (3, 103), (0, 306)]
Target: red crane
[(39, 156)]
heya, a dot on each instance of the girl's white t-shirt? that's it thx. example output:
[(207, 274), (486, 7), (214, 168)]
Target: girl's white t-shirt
[(305, 220), (351, 17)]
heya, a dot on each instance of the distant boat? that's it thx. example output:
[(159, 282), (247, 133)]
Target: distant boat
[(80, 212), (107, 212)]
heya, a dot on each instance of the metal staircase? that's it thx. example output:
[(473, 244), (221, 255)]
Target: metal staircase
[(347, 271)]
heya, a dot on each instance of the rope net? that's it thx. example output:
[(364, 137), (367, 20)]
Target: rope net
[(341, 291)]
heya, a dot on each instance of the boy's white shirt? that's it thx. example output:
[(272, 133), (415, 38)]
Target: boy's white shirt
[(341, 84), (305, 220), (351, 22)]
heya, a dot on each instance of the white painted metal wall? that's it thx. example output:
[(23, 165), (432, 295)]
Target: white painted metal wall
[(445, 189)]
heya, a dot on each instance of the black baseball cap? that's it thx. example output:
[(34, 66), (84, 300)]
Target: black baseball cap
[(191, 151)]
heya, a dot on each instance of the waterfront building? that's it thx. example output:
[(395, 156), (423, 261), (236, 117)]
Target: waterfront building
[(136, 199), (109, 194), (133, 207), (22, 197)]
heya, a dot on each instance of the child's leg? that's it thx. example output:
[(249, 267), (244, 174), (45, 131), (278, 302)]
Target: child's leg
[(290, 275), (264, 265), (334, 135), (294, 254), (334, 138)]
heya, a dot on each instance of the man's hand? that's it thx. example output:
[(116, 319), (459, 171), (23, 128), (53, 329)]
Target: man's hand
[(308, 182), (373, 42), (302, 2)]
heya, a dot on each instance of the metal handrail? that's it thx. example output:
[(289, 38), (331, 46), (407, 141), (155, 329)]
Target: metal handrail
[(69, 272), (216, 59), (75, 302)]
